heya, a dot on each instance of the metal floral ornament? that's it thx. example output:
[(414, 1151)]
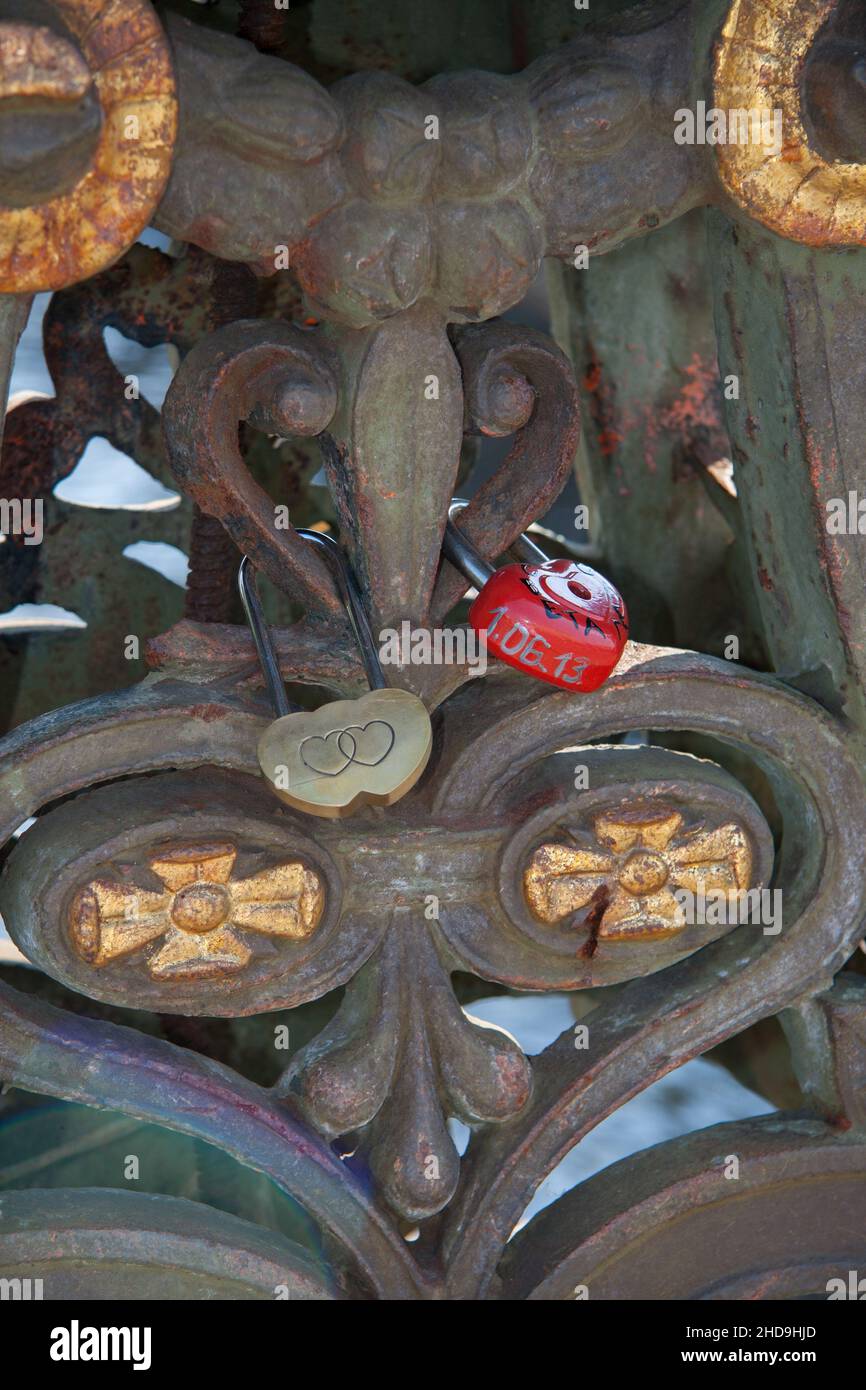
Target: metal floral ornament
[(632, 871), (201, 916)]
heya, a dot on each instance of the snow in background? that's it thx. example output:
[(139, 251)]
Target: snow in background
[(104, 477), (694, 1096)]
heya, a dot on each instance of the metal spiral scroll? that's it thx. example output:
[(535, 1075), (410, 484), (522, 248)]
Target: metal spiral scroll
[(529, 1116), (158, 877)]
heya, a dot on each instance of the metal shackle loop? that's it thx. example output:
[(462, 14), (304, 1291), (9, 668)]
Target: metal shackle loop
[(350, 595), (264, 643), (347, 586), (466, 557)]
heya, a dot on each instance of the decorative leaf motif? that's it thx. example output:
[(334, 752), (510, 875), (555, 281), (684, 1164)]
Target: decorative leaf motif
[(388, 269), (398, 1058), (586, 109), (487, 138), (488, 256)]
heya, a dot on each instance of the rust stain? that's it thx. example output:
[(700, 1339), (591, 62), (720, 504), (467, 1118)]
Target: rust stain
[(609, 441), (602, 406), (598, 905), (696, 406), (208, 714), (765, 580), (832, 556), (840, 1122)]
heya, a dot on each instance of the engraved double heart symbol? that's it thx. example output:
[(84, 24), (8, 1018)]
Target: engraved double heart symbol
[(367, 745)]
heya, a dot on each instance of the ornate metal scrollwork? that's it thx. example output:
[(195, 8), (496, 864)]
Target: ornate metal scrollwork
[(389, 222), (353, 1077)]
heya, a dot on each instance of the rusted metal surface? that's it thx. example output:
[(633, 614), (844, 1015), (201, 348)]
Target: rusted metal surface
[(793, 189), (687, 1234), (827, 1037), (151, 298), (263, 24), (809, 415), (212, 560), (575, 150), (651, 397), (700, 1000), (397, 1061), (392, 498), (14, 313), (392, 488), (47, 1050), (121, 53), (514, 383), (132, 1246), (162, 876), (276, 374)]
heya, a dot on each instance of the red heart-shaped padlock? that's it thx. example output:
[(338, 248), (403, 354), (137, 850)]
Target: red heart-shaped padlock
[(559, 621)]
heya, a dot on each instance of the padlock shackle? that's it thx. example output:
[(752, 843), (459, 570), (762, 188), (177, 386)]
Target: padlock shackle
[(527, 551), (347, 586), (465, 557), (261, 636)]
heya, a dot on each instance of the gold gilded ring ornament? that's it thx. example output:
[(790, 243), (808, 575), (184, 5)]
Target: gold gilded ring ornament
[(121, 51), (791, 189)]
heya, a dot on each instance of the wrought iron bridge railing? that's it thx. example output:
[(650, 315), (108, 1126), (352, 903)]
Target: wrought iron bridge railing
[(354, 196)]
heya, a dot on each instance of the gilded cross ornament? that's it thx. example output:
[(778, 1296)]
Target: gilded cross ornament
[(201, 920), (637, 859)]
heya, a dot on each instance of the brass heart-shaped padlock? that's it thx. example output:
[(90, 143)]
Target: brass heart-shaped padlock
[(350, 753), (347, 754)]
